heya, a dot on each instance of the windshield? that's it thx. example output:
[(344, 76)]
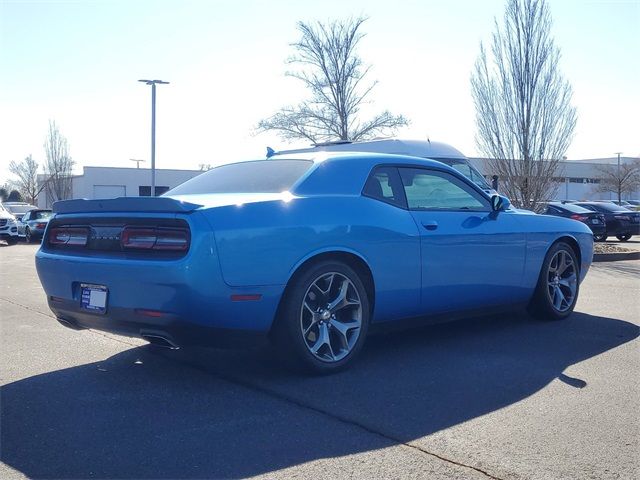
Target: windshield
[(261, 176)]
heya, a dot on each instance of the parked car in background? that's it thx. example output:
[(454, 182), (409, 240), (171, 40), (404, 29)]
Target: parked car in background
[(635, 204), (594, 220), (18, 209), (33, 223), (309, 251), (630, 204), (8, 226), (621, 222)]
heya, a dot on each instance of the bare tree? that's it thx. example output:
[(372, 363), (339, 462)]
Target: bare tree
[(27, 183), (58, 166), (619, 179), (330, 68), (524, 115)]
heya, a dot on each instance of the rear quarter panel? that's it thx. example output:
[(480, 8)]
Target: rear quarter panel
[(264, 243)]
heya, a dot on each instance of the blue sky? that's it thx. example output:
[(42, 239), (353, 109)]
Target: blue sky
[(77, 62)]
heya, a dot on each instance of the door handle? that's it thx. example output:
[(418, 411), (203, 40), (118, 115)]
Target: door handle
[(432, 225)]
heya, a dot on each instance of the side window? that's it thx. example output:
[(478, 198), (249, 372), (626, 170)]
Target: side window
[(552, 210), (435, 190), (384, 184), (25, 217)]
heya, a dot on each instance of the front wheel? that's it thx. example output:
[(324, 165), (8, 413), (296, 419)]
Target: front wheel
[(558, 285), (600, 238), (324, 318), (624, 238), (27, 235)]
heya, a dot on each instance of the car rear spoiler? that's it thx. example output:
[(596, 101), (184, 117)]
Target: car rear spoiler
[(125, 204)]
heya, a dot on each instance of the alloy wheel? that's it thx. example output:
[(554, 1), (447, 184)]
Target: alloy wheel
[(562, 281), (331, 317)]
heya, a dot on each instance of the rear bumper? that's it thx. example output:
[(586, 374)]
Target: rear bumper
[(598, 229), (192, 302), (177, 331), (624, 229)]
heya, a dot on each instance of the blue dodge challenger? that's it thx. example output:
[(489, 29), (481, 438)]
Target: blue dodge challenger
[(309, 251)]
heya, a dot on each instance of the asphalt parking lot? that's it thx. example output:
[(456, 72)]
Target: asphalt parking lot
[(500, 397)]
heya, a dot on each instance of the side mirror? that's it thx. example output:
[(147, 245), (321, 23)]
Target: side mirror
[(500, 203)]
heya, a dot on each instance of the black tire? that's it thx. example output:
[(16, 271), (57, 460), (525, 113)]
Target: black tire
[(600, 238), (542, 304), (12, 240), (27, 235), (289, 340), (624, 238)]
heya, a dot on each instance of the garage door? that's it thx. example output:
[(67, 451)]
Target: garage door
[(109, 191)]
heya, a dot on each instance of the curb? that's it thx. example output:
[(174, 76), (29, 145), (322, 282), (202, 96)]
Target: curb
[(615, 257)]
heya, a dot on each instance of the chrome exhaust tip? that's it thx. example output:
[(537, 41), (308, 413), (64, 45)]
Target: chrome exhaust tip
[(160, 341)]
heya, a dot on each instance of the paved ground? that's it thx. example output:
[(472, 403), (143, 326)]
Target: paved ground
[(503, 397)]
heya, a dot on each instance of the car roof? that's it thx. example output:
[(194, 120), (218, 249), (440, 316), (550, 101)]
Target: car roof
[(370, 158), (418, 148)]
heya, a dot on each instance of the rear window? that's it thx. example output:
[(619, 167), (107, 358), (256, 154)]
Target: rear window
[(606, 207), (41, 215), (261, 176), (19, 209), (572, 208)]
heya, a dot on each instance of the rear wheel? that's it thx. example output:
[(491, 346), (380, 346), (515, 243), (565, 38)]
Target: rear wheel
[(558, 286), (624, 238), (324, 318), (600, 238)]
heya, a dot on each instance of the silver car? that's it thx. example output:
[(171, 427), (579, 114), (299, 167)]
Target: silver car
[(32, 224)]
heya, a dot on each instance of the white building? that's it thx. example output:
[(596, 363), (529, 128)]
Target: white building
[(578, 178), (112, 182)]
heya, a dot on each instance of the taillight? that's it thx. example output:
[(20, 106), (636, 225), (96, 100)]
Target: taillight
[(144, 238), (41, 225), (69, 236), (580, 218)]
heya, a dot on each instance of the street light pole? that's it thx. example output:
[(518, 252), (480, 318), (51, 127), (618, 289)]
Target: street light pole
[(618, 179), (153, 130)]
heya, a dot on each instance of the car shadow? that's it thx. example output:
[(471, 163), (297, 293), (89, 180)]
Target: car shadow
[(212, 414)]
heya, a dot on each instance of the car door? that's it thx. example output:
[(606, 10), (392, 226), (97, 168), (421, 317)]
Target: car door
[(472, 257)]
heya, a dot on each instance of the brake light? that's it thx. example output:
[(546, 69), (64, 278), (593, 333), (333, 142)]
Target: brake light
[(144, 238), (41, 225), (69, 236), (580, 218)]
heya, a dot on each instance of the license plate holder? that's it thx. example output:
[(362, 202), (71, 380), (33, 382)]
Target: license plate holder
[(93, 297)]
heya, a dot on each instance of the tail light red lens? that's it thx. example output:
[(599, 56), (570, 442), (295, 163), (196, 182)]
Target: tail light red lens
[(69, 236), (144, 238), (580, 218), (41, 225)]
